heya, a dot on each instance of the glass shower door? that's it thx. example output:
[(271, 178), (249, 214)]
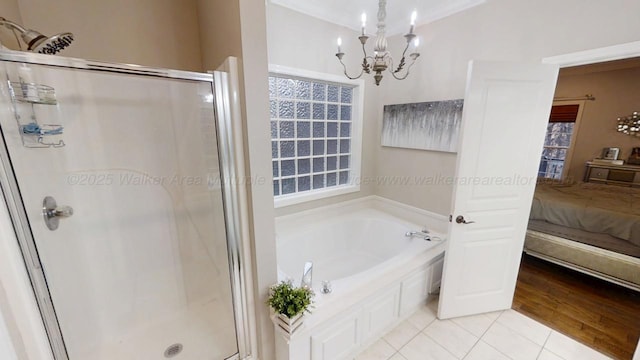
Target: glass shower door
[(137, 267)]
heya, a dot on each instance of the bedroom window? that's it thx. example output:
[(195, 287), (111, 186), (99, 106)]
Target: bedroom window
[(315, 135), (558, 140)]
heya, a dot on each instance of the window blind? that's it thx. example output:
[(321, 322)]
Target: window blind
[(564, 113)]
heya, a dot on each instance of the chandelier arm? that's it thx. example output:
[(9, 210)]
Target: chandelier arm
[(366, 67), (402, 62), (406, 71), (347, 74)]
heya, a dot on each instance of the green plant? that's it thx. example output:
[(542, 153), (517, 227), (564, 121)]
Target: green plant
[(288, 300)]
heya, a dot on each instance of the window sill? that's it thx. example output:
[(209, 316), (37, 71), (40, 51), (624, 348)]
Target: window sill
[(298, 198)]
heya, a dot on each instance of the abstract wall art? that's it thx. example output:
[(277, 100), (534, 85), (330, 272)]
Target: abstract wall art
[(431, 125)]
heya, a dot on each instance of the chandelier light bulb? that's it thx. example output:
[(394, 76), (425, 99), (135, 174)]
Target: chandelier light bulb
[(416, 42), (339, 44), (364, 23), (414, 15)]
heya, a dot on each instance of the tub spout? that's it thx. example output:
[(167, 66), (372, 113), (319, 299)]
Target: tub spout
[(307, 275), (326, 287), (423, 234)]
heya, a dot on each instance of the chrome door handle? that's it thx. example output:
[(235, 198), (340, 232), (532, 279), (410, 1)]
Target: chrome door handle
[(460, 220), (52, 212)]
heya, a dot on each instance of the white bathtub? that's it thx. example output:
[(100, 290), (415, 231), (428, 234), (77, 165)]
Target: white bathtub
[(360, 247)]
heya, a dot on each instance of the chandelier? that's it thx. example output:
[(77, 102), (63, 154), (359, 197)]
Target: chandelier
[(630, 124), (381, 59)]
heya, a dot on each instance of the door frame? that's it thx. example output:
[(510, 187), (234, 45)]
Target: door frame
[(597, 55), (593, 56)]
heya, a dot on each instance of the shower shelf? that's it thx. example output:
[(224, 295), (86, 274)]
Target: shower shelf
[(34, 134), (36, 139), (33, 93)]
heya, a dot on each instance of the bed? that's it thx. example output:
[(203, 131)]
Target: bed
[(593, 228)]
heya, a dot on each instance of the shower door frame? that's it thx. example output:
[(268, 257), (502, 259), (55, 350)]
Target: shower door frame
[(227, 162)]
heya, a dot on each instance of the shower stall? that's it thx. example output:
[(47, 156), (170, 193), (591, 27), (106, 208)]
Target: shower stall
[(117, 181)]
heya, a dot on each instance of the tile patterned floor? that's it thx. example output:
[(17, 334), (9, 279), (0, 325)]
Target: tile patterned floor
[(500, 335)]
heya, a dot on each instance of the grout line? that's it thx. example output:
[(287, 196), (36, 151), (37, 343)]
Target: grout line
[(441, 345), (402, 356), (497, 350), (544, 347), (480, 337), (413, 337)]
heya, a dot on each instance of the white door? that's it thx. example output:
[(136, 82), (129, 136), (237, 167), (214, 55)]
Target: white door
[(506, 110)]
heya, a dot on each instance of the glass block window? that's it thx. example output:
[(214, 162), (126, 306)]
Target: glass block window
[(311, 134)]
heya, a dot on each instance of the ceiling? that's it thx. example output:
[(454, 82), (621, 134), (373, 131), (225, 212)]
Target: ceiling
[(347, 12)]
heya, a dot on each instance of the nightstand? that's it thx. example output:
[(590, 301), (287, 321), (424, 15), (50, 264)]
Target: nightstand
[(625, 175)]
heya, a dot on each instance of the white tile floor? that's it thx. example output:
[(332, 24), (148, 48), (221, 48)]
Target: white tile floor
[(494, 336)]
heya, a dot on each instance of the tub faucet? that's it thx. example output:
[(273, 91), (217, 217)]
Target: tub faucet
[(424, 234), (307, 273)]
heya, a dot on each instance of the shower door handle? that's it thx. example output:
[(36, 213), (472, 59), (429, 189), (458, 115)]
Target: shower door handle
[(52, 212)]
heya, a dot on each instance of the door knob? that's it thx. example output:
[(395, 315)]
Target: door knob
[(460, 220), (52, 212)]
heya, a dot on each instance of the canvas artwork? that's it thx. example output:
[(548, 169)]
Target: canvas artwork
[(427, 126)]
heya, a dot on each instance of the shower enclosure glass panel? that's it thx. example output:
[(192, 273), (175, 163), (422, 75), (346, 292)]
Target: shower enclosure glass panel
[(140, 270)]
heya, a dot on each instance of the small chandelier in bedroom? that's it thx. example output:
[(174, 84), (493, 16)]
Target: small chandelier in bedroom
[(382, 60)]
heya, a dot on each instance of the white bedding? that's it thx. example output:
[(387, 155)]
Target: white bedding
[(598, 208)]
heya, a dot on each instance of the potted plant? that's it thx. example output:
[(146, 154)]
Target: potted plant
[(289, 304)]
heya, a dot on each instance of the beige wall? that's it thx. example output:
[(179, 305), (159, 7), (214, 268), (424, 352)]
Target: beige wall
[(217, 19), (516, 30), (9, 10), (158, 33), (313, 49), (616, 95)]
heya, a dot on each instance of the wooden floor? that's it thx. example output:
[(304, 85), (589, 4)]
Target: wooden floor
[(596, 313)]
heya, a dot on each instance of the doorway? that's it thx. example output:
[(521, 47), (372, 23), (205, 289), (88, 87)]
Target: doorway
[(584, 307)]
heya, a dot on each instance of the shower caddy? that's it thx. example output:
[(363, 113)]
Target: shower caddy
[(25, 97)]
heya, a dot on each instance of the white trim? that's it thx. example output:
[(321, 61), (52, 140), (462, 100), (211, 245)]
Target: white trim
[(339, 79), (357, 120), (297, 198), (609, 53)]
